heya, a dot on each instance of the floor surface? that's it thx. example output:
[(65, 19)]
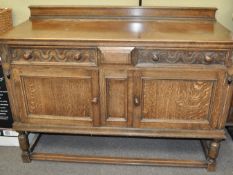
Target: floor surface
[(11, 164)]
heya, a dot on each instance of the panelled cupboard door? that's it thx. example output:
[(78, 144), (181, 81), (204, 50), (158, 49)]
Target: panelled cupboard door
[(57, 95), (178, 98), (116, 97)]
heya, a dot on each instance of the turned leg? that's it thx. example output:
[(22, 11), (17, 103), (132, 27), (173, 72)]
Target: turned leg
[(24, 145), (213, 151)]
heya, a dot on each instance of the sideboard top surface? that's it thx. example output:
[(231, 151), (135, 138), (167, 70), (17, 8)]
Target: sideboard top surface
[(189, 25)]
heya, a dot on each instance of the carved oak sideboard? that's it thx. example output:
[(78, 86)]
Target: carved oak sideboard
[(148, 72)]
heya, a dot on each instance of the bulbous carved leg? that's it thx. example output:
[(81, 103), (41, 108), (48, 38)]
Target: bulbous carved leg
[(213, 154), (24, 145)]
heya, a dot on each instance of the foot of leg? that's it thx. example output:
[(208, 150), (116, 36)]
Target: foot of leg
[(213, 154), (24, 145)]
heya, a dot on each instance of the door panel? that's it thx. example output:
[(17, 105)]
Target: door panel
[(181, 100), (59, 96), (116, 97), (49, 96), (178, 98)]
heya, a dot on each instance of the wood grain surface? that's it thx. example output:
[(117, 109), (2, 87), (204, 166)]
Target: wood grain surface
[(146, 72)]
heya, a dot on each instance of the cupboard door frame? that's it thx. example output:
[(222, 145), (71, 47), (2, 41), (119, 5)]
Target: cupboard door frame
[(215, 75), (108, 79), (19, 72)]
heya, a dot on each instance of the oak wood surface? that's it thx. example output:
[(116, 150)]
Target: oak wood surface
[(116, 55), (121, 30), (165, 104), (120, 11), (116, 97), (46, 94), (121, 131), (118, 160), (80, 56), (24, 145), (112, 30), (150, 72)]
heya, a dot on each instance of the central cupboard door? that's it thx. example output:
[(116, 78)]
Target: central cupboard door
[(116, 87), (178, 98), (57, 95)]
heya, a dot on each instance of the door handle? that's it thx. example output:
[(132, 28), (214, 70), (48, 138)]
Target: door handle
[(136, 101), (95, 100)]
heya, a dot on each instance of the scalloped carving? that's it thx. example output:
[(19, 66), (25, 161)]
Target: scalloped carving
[(147, 56), (55, 55)]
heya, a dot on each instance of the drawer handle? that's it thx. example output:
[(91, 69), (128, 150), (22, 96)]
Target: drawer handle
[(136, 101), (27, 55), (155, 58), (208, 59), (95, 100)]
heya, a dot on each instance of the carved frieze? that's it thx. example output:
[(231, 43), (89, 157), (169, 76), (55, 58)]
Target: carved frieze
[(54, 55), (153, 56)]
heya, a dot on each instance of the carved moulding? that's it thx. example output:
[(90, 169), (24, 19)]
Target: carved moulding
[(54, 55), (153, 56), (6, 59), (4, 53)]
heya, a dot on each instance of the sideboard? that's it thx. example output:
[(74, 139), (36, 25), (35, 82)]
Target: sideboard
[(120, 71)]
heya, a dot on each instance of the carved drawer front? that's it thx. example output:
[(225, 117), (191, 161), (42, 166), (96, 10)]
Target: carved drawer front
[(181, 99), (80, 56), (150, 57), (116, 55), (57, 95)]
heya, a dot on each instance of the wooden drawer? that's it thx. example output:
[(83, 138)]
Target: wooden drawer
[(150, 57), (80, 56), (116, 55)]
